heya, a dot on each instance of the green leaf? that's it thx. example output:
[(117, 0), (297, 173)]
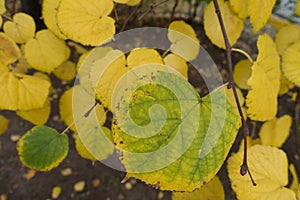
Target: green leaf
[(43, 148), (168, 135)]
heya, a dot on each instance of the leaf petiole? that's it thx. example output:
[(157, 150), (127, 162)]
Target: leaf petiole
[(244, 53)]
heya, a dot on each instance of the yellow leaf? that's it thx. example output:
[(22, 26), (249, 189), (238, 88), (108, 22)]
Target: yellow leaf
[(66, 71), (55, 192), (2, 7), (9, 50), (231, 99), (128, 2), (291, 63), (212, 190), (38, 116), (49, 12), (178, 63), (276, 131), (22, 66), (108, 70), (78, 48), (250, 142), (86, 22), (285, 85), (183, 39), (82, 151), (297, 8), (75, 103), (21, 29), (22, 92), (264, 81), (46, 51), (233, 24), (240, 7), (84, 64), (286, 36), (259, 12), (269, 168), (277, 23), (294, 185), (3, 124), (241, 74)]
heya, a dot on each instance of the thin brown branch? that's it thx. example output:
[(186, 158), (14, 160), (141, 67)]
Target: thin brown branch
[(152, 7), (131, 15), (244, 168), (173, 10)]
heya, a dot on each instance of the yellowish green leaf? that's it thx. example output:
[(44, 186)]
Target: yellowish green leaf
[(43, 148), (276, 131), (241, 74), (234, 25), (286, 36), (269, 168), (259, 12), (46, 52), (3, 124), (240, 7), (22, 92), (82, 151), (285, 85), (21, 29), (231, 99), (73, 15), (66, 71), (38, 116), (75, 103), (183, 39), (264, 81), (291, 63), (178, 63), (49, 11), (295, 183), (9, 50), (211, 190)]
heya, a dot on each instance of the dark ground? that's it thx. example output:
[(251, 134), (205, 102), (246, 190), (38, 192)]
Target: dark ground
[(15, 186)]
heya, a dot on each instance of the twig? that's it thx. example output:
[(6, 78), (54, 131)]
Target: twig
[(152, 7), (131, 15), (174, 9), (244, 168)]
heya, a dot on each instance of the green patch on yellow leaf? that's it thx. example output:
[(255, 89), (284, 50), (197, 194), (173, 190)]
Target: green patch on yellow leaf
[(269, 168), (264, 81), (184, 42), (43, 148), (46, 52), (168, 135), (211, 190), (276, 131), (73, 15), (234, 25), (21, 29)]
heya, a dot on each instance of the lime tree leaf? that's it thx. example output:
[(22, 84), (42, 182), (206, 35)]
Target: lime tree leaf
[(86, 22), (46, 52), (43, 148), (49, 12), (3, 124), (37, 116), (9, 50), (250, 142), (294, 185), (277, 22), (240, 7), (269, 168), (264, 81), (276, 131), (183, 39), (66, 71), (286, 36), (291, 63), (285, 85), (168, 135), (21, 29), (297, 8), (259, 12), (128, 2), (22, 92), (75, 103), (241, 74), (2, 6), (234, 25), (94, 142), (177, 63), (211, 190)]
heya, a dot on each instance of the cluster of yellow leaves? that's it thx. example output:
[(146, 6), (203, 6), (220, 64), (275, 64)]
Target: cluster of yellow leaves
[(234, 13)]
